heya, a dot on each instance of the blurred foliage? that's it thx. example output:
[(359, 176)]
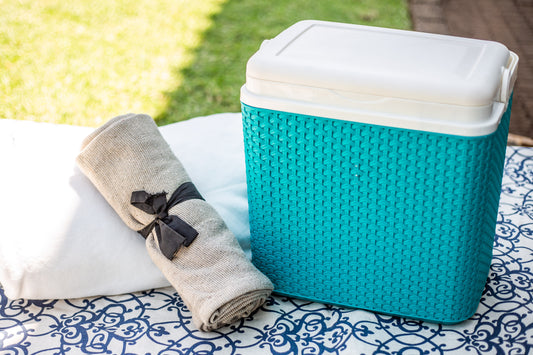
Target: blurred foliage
[(83, 62)]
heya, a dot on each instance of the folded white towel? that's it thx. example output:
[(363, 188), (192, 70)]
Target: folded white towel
[(50, 211)]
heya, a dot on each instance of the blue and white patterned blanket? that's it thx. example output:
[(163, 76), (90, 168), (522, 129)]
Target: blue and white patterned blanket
[(157, 322)]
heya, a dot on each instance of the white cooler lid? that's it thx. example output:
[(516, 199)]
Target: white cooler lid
[(382, 76)]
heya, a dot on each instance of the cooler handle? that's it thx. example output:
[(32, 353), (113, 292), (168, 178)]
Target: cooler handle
[(508, 78)]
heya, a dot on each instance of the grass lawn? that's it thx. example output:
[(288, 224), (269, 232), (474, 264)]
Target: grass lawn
[(83, 62)]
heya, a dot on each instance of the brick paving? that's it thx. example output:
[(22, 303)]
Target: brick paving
[(507, 21)]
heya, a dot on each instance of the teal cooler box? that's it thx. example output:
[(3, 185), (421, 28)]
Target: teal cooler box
[(374, 161)]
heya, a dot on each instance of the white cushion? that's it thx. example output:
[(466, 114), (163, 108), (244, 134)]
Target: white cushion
[(60, 238)]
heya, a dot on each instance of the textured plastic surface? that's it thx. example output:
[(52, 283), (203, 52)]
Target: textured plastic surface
[(373, 217)]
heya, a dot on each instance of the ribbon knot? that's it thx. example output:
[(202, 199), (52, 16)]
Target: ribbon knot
[(171, 231)]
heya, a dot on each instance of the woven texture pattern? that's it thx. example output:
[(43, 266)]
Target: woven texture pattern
[(380, 218)]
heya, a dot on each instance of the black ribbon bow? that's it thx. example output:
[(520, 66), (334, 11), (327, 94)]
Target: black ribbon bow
[(172, 232)]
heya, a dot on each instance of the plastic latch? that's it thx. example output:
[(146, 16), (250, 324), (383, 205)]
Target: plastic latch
[(508, 78)]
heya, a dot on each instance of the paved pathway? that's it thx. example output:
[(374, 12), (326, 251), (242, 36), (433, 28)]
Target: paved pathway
[(507, 21)]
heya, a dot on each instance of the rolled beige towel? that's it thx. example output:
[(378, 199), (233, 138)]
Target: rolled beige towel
[(133, 167)]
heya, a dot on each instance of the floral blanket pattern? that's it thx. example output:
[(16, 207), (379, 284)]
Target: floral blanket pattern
[(157, 322)]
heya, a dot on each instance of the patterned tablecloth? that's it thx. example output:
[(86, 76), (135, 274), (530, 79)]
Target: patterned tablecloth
[(156, 321)]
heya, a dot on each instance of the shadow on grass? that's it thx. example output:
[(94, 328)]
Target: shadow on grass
[(211, 84)]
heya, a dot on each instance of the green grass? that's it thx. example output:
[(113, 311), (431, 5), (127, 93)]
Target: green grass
[(83, 62)]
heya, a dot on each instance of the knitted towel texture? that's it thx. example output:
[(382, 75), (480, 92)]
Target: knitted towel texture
[(214, 278)]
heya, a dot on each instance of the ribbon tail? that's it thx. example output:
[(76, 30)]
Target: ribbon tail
[(168, 239), (172, 233), (183, 228)]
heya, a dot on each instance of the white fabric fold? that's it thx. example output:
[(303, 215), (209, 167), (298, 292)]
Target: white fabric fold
[(50, 210)]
